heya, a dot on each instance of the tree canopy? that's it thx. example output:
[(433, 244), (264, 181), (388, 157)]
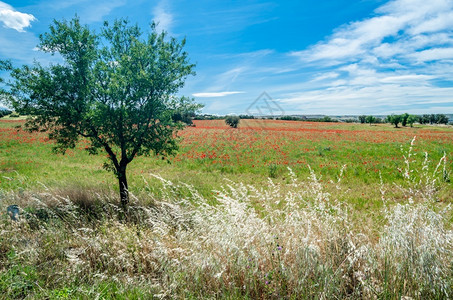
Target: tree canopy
[(232, 121), (116, 89), (370, 119), (4, 66), (394, 119)]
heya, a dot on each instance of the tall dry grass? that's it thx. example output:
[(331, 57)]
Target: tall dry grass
[(280, 241)]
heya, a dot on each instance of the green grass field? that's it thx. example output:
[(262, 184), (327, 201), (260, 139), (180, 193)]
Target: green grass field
[(211, 152), (207, 222)]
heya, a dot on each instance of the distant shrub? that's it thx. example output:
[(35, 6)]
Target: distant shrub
[(14, 115), (233, 121), (4, 112), (183, 117)]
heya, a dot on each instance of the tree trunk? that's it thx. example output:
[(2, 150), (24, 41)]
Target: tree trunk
[(124, 192)]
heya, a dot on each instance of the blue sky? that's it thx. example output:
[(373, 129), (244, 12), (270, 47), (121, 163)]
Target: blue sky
[(311, 57)]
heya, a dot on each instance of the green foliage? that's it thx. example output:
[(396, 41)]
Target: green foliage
[(273, 170), (404, 118), (4, 66), (292, 118), (442, 119), (246, 117), (370, 119), (4, 112), (118, 94), (423, 119), (433, 119), (394, 119), (362, 119), (17, 281), (232, 121), (208, 117), (186, 114), (411, 119), (303, 118)]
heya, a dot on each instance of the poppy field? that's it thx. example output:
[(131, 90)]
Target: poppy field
[(268, 210), (259, 149)]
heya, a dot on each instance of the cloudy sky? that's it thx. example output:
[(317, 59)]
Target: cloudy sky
[(310, 57)]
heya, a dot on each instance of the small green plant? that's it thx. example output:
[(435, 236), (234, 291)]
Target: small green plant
[(273, 170), (232, 121), (322, 150), (18, 280)]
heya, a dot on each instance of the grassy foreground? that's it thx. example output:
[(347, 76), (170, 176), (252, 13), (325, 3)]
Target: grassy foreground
[(308, 232)]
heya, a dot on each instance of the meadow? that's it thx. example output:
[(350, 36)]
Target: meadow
[(272, 209)]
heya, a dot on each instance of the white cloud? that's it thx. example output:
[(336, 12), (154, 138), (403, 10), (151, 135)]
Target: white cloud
[(215, 94), (436, 23), (433, 54), (163, 17), (14, 19), (324, 76), (386, 98), (386, 63), (354, 39), (405, 23), (409, 79)]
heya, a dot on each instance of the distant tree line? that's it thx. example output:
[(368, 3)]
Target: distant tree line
[(218, 117), (403, 119), (370, 119), (406, 119), (291, 118), (295, 118), (208, 117), (4, 112), (184, 116), (433, 119)]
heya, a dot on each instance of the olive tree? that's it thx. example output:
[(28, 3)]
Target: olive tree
[(362, 119), (411, 119), (116, 89), (370, 119), (233, 121), (394, 119), (442, 119), (404, 118)]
